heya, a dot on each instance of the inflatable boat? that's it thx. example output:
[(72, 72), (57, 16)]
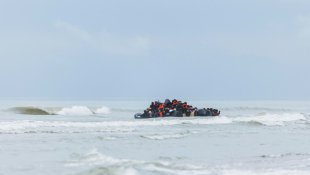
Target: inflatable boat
[(174, 113)]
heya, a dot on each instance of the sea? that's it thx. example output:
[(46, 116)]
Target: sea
[(94, 137)]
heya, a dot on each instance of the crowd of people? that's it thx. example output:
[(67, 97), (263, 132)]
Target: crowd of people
[(159, 109)]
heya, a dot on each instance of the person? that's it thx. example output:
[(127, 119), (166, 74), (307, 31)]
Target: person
[(192, 111), (166, 111), (168, 103), (188, 110), (174, 103), (150, 114), (145, 113), (152, 106), (156, 113), (179, 106), (161, 106), (208, 111), (196, 109), (184, 109), (213, 112), (161, 113), (185, 105)]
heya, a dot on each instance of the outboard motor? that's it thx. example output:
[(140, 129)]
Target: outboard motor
[(201, 112)]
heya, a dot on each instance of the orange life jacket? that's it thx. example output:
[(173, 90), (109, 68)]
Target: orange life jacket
[(161, 106), (176, 102), (185, 105)]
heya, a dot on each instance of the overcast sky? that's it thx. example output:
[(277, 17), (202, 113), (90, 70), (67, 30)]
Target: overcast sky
[(155, 49)]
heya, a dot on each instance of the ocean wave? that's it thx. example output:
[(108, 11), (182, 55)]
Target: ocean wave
[(126, 110), (265, 172), (266, 119), (271, 119), (255, 109), (102, 164), (31, 111), (74, 110), (26, 124), (110, 165), (55, 131), (102, 110), (285, 155), (107, 138), (162, 137)]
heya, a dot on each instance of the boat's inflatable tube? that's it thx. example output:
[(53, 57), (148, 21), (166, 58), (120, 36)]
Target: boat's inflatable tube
[(208, 113), (138, 116), (201, 112), (177, 114)]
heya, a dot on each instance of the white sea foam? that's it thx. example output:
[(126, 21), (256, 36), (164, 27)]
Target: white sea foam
[(285, 155), (75, 110), (102, 110), (16, 127), (21, 126), (271, 119), (125, 166), (129, 166), (31, 131), (243, 108), (265, 172), (107, 138), (162, 137), (24, 124)]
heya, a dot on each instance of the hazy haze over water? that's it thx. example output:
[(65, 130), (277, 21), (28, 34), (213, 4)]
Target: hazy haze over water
[(130, 49)]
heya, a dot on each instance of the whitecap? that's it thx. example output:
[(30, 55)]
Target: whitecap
[(75, 110), (102, 110)]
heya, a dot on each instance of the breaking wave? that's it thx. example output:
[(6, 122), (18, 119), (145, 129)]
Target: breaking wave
[(271, 119), (30, 111), (109, 165), (102, 164), (25, 126), (74, 110)]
